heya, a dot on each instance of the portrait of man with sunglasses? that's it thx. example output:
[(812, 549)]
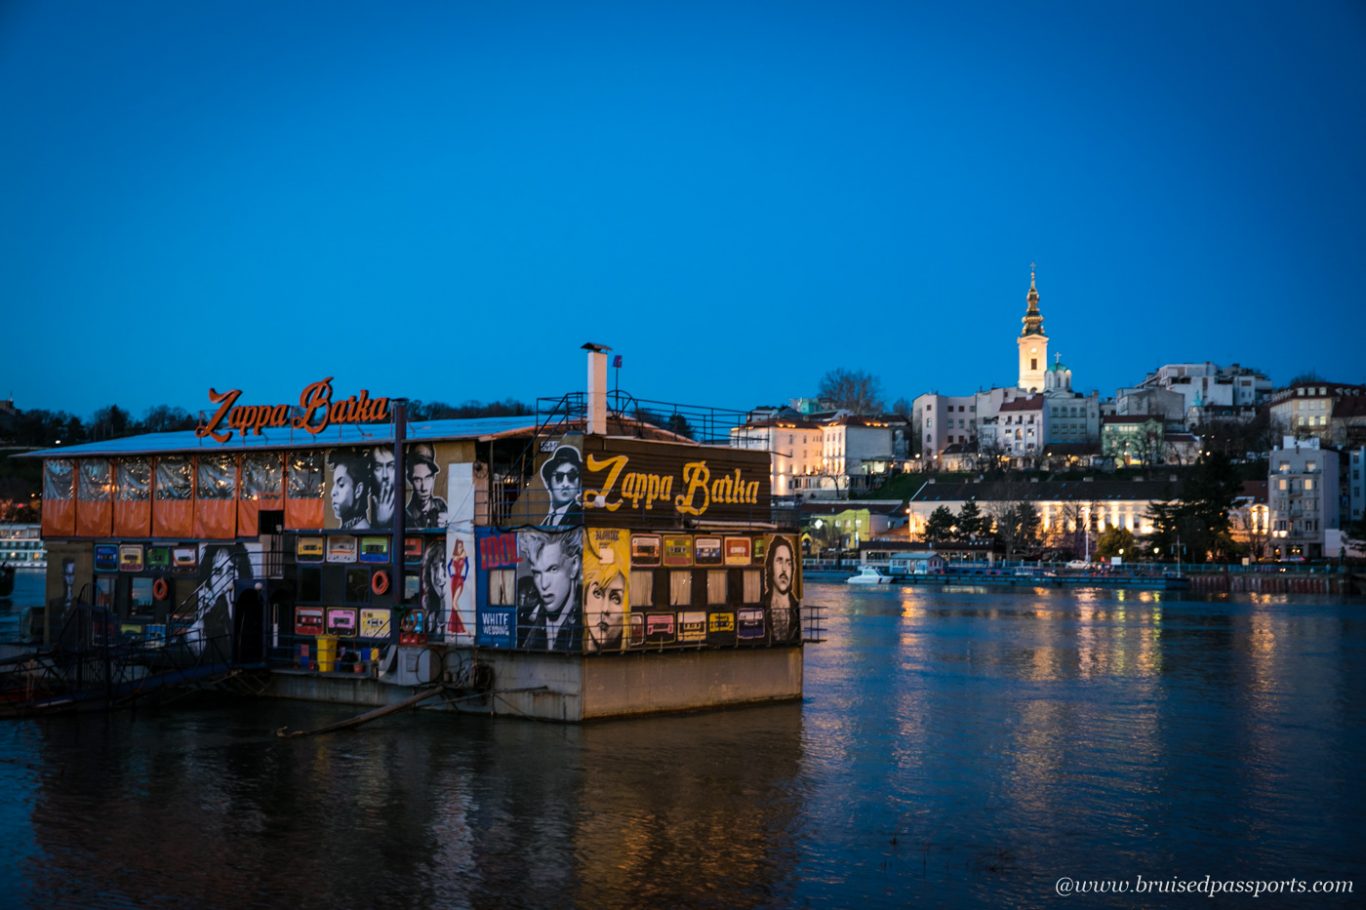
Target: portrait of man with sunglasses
[(562, 475)]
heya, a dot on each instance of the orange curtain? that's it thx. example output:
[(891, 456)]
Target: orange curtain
[(215, 504), (132, 518), (132, 497), (261, 487), (94, 498), (59, 498), (173, 497), (304, 514)]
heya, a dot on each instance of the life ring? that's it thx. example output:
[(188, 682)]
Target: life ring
[(160, 589), (379, 582)]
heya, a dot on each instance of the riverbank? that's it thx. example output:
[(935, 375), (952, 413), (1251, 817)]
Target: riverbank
[(1204, 579)]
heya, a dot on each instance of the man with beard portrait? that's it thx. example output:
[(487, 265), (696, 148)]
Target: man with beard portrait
[(780, 597)]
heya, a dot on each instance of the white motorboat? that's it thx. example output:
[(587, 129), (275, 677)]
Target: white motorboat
[(869, 575)]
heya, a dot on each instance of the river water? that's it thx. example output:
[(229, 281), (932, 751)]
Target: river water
[(954, 748)]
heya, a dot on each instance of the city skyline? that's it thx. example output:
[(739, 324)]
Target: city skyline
[(445, 204)]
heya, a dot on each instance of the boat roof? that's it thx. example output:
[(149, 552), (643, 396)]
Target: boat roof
[(347, 434)]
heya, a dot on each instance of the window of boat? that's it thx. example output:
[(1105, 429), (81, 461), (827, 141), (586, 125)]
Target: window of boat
[(134, 479), (140, 599), (310, 584), (502, 587), (642, 588), (750, 593), (306, 475), (358, 585), (175, 478), (104, 591), (217, 476), (94, 484), (262, 476), (680, 588), (57, 478), (716, 586)]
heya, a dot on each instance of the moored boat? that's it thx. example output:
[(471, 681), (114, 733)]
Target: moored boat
[(869, 575)]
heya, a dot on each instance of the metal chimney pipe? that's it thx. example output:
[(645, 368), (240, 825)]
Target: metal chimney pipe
[(597, 388)]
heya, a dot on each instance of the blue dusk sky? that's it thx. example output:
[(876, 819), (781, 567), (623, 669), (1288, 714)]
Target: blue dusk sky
[(445, 200)]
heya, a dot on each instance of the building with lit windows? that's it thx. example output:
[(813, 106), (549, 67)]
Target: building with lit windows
[(1065, 506), (1302, 498), (1307, 408)]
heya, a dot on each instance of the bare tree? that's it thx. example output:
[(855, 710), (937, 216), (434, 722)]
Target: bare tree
[(1248, 526), (852, 390), (1069, 531)]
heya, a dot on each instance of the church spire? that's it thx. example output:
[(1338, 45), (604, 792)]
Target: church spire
[(1033, 319)]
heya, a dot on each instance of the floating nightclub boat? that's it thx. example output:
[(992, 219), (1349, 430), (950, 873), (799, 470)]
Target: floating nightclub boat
[(581, 562)]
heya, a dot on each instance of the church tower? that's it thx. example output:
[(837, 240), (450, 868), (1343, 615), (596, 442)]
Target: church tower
[(1033, 343)]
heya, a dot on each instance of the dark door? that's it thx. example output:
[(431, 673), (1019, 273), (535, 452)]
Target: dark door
[(249, 628)]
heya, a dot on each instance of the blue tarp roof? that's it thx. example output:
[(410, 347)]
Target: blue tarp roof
[(278, 438)]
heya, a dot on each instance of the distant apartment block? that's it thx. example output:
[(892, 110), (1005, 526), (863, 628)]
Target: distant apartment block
[(1356, 483), (827, 459), (1302, 496), (1308, 409), (1207, 391), (795, 446), (1132, 440), (940, 421), (1023, 426)]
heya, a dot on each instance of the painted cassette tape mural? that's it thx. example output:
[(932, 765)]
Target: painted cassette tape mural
[(608, 590), (634, 578)]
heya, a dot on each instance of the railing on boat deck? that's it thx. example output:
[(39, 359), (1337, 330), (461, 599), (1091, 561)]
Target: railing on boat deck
[(813, 623), (92, 661)]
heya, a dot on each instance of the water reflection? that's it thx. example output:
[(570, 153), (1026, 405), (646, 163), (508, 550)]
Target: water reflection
[(429, 810), (954, 748)]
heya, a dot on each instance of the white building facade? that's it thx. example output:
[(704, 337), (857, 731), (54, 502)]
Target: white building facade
[(944, 420), (1302, 498), (1207, 389)]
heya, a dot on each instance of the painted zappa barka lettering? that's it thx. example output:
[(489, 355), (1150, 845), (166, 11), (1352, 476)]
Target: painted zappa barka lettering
[(315, 412), (643, 490)]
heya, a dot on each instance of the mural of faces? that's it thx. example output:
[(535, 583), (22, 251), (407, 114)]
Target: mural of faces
[(350, 489), (604, 609), (435, 585), (549, 577), (607, 556), (554, 572), (562, 475), (781, 592), (220, 566), (383, 486), (781, 567), (425, 509)]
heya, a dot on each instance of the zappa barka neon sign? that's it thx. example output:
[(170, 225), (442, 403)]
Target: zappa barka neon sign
[(315, 412)]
